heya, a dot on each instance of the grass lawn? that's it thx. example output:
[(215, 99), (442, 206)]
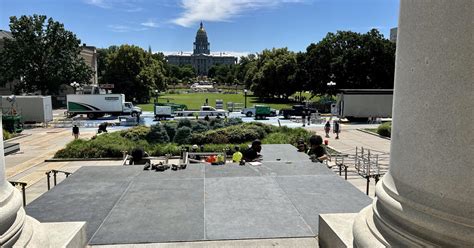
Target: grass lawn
[(196, 100), (373, 130)]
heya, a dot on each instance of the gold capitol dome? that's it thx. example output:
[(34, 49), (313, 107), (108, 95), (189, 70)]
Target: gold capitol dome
[(201, 30)]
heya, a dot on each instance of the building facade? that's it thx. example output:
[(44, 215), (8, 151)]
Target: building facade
[(201, 59)]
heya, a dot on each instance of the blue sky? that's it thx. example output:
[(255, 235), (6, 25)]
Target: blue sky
[(238, 26)]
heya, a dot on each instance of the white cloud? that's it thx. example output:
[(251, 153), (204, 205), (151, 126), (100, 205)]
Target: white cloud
[(150, 23), (122, 5), (124, 28), (221, 10), (99, 3)]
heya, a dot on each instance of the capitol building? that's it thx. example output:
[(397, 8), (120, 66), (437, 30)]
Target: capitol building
[(201, 58)]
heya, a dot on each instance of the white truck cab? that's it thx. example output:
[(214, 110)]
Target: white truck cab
[(128, 108)]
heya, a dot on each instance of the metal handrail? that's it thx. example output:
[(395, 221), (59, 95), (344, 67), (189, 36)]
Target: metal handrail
[(55, 172)]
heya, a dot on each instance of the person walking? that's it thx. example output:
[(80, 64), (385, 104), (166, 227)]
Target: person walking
[(337, 129), (327, 128), (75, 131)]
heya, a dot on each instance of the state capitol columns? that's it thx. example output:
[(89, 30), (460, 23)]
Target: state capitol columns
[(427, 197), (16, 228)]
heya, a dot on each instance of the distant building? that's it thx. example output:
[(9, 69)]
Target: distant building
[(201, 58), (393, 35)]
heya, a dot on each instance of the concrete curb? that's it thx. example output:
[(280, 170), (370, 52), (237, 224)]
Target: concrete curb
[(374, 134), (97, 159), (18, 137), (80, 159)]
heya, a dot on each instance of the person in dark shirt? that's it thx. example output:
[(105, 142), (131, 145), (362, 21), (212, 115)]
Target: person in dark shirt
[(252, 153), (317, 152), (75, 132)]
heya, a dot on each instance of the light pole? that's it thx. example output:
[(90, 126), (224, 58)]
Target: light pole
[(156, 95), (331, 84), (245, 96), (75, 85)]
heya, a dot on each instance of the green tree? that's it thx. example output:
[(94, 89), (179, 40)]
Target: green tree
[(223, 74), (181, 73), (275, 74), (352, 60), (102, 64), (43, 55), (134, 73)]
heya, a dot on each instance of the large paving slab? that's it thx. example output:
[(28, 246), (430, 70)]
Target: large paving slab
[(250, 207), (282, 152), (126, 205), (158, 211)]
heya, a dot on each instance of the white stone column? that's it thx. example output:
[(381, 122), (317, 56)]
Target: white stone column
[(427, 197), (16, 228)]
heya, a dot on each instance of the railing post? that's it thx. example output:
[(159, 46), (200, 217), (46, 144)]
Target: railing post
[(54, 177), (48, 179), (345, 172), (368, 181), (23, 185)]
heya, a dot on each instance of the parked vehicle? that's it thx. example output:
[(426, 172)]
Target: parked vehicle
[(31, 108), (204, 111), (360, 104), (98, 105), (174, 106), (262, 112), (249, 112), (297, 110), (163, 112)]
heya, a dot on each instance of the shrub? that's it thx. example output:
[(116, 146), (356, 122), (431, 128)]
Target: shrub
[(286, 135), (198, 138), (185, 123), (136, 133), (216, 123), (170, 128), (233, 122), (163, 149), (200, 126), (6, 135), (385, 129), (158, 134), (183, 135)]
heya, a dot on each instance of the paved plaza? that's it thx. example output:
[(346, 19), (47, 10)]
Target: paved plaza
[(282, 198)]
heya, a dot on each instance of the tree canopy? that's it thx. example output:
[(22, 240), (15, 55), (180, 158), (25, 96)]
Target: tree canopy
[(274, 73), (133, 72), (42, 55), (351, 60)]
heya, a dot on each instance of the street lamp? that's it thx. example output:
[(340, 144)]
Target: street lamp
[(245, 95), (156, 94), (75, 85)]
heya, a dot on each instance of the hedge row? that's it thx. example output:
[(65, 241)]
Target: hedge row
[(157, 139)]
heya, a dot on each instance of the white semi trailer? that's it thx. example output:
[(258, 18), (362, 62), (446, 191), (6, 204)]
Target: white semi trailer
[(98, 105), (356, 104)]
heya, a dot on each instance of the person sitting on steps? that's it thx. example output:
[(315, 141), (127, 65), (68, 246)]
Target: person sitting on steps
[(253, 153), (317, 152)]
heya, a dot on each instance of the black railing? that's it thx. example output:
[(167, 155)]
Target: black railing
[(54, 172)]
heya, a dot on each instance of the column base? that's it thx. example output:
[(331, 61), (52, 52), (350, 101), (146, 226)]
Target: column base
[(54, 234), (393, 220)]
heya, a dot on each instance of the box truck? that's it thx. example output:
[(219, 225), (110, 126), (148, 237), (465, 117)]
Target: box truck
[(360, 104), (98, 105)]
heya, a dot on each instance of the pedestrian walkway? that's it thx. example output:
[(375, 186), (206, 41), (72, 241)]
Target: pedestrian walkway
[(351, 138)]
